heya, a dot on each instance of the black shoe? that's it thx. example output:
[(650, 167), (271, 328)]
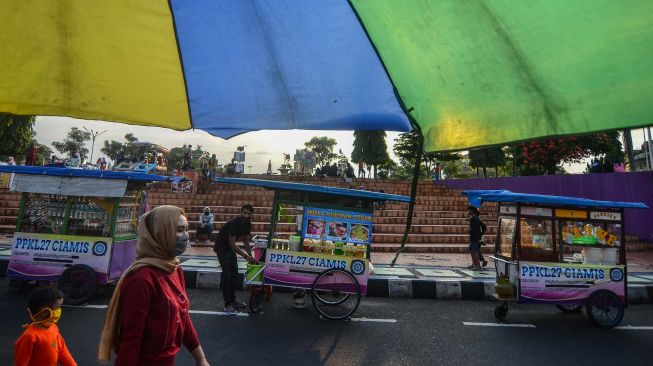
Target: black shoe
[(238, 305), (484, 264)]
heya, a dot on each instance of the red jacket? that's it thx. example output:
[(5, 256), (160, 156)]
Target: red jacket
[(154, 319)]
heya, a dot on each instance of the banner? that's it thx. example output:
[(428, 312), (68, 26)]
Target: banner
[(568, 282), (46, 256), (346, 226), (296, 269)]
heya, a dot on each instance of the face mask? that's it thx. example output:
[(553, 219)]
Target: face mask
[(181, 243), (53, 318)]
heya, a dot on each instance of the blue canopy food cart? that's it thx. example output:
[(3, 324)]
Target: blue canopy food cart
[(75, 227), (330, 255), (565, 251)]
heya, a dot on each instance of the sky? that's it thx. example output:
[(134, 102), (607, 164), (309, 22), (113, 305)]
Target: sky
[(260, 146)]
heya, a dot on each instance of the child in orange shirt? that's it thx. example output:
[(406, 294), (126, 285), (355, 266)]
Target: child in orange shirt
[(41, 344)]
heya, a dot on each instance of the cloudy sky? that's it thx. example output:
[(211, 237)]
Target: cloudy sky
[(260, 146)]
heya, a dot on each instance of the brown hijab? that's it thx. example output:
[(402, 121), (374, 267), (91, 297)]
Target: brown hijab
[(156, 242)]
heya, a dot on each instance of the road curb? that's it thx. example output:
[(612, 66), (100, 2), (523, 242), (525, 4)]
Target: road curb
[(444, 289)]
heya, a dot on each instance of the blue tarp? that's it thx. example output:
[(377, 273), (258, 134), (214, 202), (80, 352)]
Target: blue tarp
[(286, 186), (477, 197), (282, 65), (87, 173)]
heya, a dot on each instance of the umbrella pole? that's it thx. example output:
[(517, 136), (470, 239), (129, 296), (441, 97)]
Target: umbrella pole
[(413, 191)]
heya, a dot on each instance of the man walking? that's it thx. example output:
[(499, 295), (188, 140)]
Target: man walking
[(476, 230), (226, 250)]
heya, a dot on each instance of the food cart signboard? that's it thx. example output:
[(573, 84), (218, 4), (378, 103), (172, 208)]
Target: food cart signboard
[(297, 269), (605, 215), (536, 211), (571, 214), (48, 255), (568, 282), (336, 225)]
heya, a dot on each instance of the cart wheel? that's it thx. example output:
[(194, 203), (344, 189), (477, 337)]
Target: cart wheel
[(605, 309), (256, 303), (336, 294), (569, 309), (78, 283), (500, 312), (17, 286)]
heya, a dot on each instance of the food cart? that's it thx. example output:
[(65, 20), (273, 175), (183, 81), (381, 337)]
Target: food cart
[(329, 256), (76, 227), (565, 251)]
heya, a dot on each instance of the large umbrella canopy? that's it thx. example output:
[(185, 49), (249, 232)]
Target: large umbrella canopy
[(468, 73)]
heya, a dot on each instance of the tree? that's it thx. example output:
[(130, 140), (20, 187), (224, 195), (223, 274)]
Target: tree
[(121, 151), (406, 145), (492, 157), (323, 149), (370, 148), (75, 140), (175, 157), (543, 156), (16, 133)]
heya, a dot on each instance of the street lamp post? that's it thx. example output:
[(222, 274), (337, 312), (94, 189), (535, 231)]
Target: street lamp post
[(94, 134)]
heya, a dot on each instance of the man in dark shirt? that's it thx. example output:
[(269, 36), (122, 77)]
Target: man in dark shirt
[(226, 249), (476, 230)]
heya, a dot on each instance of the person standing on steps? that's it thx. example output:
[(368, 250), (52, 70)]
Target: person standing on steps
[(361, 169), (226, 249), (437, 172), (476, 230)]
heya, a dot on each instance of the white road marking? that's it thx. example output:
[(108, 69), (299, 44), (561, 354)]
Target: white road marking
[(374, 320), (633, 327), (499, 325), (221, 313)]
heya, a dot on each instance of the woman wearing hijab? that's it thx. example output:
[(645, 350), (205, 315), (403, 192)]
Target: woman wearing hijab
[(148, 321), (205, 225)]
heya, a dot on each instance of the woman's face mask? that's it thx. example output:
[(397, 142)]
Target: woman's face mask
[(181, 238)]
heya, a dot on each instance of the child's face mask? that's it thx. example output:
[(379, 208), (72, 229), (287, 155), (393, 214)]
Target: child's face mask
[(52, 317)]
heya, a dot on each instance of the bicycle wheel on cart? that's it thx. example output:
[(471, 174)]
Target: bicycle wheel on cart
[(78, 283), (336, 294), (605, 309)]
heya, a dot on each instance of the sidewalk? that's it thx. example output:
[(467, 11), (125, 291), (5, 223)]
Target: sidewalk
[(427, 275)]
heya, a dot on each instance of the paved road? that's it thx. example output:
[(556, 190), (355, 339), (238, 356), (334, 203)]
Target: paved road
[(414, 332)]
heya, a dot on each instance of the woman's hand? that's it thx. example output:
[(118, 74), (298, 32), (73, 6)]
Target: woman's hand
[(200, 359)]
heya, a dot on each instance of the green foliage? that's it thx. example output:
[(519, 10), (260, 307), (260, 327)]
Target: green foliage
[(323, 149), (370, 148), (489, 157), (175, 157), (544, 156), (457, 168), (121, 151), (75, 140), (16, 133), (406, 146)]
